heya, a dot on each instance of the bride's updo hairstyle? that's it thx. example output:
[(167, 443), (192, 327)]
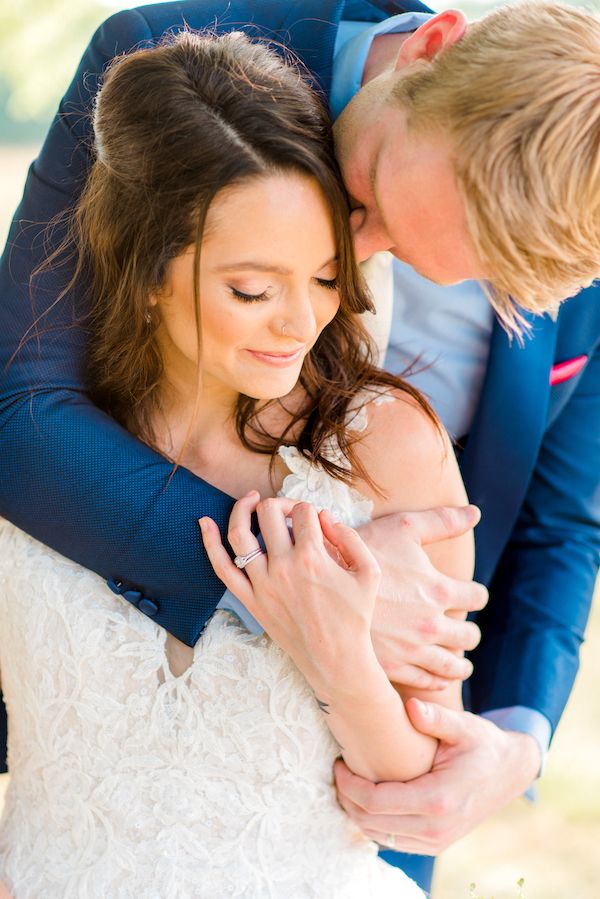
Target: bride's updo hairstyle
[(173, 126)]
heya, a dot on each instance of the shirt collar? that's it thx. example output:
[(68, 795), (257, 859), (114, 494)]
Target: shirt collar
[(352, 47)]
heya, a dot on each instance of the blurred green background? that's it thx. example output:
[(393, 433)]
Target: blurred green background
[(552, 845)]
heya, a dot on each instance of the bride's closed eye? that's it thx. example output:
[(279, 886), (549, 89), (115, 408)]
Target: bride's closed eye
[(250, 297), (330, 284)]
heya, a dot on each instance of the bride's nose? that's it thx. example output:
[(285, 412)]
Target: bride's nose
[(296, 318)]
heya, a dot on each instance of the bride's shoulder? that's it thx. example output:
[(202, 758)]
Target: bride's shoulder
[(395, 421), (407, 454)]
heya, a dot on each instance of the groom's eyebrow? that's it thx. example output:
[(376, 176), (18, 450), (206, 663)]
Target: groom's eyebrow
[(373, 173)]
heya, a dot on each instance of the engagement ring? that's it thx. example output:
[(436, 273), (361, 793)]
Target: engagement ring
[(242, 561)]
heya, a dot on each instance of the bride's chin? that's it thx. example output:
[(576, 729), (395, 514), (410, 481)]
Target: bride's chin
[(265, 397), (266, 392)]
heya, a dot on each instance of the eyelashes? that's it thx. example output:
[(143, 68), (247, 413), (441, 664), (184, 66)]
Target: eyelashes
[(331, 284), (249, 297)]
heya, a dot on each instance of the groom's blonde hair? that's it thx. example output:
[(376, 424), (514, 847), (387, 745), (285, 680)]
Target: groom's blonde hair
[(519, 96)]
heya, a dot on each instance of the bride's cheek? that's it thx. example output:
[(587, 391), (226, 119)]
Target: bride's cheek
[(332, 312), (222, 323)]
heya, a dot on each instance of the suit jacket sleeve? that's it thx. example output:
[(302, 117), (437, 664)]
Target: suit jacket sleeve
[(542, 590), (69, 475)]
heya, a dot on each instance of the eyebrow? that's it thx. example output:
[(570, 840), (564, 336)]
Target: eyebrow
[(372, 173), (258, 266)]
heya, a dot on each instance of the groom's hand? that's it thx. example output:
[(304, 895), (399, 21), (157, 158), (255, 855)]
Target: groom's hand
[(417, 642), (478, 768)]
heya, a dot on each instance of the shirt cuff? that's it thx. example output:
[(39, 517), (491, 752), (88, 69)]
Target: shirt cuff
[(230, 603), (525, 721)]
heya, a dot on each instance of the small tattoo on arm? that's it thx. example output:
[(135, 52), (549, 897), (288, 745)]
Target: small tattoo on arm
[(324, 706)]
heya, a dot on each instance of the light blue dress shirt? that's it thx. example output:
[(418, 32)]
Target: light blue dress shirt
[(455, 387), (450, 372)]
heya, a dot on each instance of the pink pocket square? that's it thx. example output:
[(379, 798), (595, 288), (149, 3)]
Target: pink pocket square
[(562, 371)]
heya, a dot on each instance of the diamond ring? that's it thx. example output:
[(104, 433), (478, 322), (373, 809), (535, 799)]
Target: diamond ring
[(242, 561)]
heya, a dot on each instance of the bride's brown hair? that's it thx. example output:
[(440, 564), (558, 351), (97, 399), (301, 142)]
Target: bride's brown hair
[(173, 126)]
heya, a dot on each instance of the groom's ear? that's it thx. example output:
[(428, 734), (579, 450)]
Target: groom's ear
[(438, 33)]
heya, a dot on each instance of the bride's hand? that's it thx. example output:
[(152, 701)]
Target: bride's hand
[(317, 608)]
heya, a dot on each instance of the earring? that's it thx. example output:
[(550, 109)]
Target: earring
[(147, 317)]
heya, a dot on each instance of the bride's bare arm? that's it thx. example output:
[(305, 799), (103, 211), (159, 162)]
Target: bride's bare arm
[(319, 611), (413, 465)]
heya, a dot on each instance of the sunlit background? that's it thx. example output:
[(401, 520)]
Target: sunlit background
[(552, 845)]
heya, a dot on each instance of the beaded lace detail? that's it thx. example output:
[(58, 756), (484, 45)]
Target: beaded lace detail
[(311, 483), (128, 782)]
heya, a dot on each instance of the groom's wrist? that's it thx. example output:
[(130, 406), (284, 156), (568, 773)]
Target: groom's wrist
[(524, 720), (520, 763), (531, 723)]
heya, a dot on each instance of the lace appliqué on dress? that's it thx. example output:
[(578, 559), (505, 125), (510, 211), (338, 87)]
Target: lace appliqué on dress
[(128, 782), (309, 482)]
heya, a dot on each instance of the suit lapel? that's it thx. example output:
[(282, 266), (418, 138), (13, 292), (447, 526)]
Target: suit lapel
[(502, 447)]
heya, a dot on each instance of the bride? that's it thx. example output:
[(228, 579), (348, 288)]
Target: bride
[(213, 233)]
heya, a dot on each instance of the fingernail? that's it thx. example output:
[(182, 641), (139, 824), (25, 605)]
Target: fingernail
[(475, 512), (250, 493), (203, 524)]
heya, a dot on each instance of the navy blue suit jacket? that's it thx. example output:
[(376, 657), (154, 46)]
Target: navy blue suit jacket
[(73, 478)]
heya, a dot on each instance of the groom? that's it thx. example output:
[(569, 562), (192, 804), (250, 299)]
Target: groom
[(431, 184)]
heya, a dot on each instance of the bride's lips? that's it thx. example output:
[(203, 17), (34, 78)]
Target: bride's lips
[(278, 360)]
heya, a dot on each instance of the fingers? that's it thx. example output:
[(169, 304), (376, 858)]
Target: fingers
[(234, 579), (355, 554), (416, 819), (464, 596), (306, 526), (455, 634), (441, 523), (360, 796), (239, 532), (443, 724), (379, 823), (442, 665), (415, 678), (272, 514)]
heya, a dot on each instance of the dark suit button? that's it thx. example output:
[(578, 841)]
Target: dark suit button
[(115, 586), (132, 596), (148, 607)]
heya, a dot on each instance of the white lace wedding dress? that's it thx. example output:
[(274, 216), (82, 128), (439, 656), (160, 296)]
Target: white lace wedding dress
[(128, 782)]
